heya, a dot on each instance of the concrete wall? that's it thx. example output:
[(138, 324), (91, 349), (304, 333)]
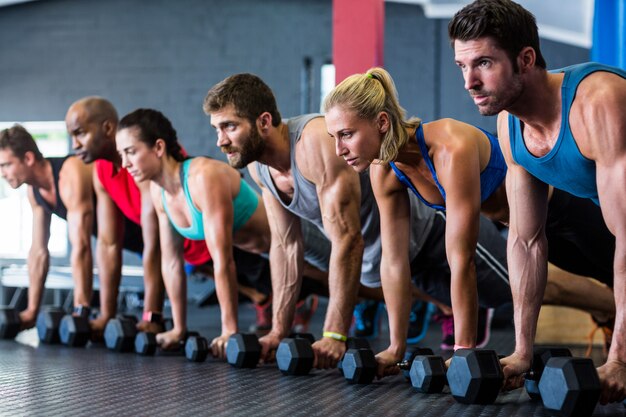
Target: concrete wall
[(166, 54)]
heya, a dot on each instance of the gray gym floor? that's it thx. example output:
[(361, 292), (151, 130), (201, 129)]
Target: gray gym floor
[(41, 380)]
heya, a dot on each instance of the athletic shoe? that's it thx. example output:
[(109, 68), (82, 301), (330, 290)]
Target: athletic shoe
[(366, 319), (447, 331), (483, 332), (421, 312), (304, 313), (263, 317)]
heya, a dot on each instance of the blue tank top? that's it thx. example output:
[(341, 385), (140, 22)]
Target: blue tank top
[(564, 167), (490, 178), (244, 206)]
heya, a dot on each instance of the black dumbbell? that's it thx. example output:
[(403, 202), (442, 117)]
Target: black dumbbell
[(570, 386), (475, 376), (48, 323), (74, 329), (9, 323), (145, 343), (294, 356), (243, 350), (353, 343), (196, 348), (408, 359), (427, 372), (120, 333), (541, 355), (359, 366)]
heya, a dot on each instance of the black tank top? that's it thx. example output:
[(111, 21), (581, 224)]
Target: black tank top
[(59, 209)]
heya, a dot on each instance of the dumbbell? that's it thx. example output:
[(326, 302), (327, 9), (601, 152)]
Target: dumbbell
[(427, 372), (570, 386), (294, 355), (353, 343), (145, 342), (541, 355), (74, 329), (9, 323), (359, 366), (475, 376), (196, 348), (243, 350), (120, 333), (48, 323), (408, 359)]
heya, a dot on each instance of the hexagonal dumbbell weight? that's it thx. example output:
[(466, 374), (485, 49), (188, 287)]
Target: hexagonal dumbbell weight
[(120, 333), (9, 323), (196, 349), (353, 343), (428, 373), (541, 356), (475, 376), (74, 329), (570, 386), (410, 354), (145, 344), (295, 356), (48, 323), (243, 350), (359, 366)]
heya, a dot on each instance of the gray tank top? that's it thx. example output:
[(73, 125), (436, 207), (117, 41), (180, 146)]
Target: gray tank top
[(305, 204)]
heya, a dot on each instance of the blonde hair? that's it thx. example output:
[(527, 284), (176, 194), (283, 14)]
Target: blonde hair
[(369, 94)]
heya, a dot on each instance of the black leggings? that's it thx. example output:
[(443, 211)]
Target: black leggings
[(578, 239)]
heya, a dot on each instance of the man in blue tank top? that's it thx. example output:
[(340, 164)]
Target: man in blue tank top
[(562, 128)]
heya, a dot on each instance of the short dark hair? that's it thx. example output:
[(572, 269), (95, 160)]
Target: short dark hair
[(19, 141), (247, 93), (510, 25), (153, 125)]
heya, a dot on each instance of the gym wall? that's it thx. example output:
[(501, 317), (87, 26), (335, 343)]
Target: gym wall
[(166, 54)]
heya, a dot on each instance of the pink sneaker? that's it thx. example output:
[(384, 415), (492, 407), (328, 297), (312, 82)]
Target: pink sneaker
[(304, 313)]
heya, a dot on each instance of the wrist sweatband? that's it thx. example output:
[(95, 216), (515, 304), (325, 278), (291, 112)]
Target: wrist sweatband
[(336, 336)]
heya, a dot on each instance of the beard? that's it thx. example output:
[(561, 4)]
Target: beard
[(502, 101), (251, 150)]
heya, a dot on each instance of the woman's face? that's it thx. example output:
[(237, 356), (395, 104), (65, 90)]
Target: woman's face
[(357, 140), (140, 160)]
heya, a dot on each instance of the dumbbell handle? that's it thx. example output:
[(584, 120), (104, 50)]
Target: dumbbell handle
[(406, 365)]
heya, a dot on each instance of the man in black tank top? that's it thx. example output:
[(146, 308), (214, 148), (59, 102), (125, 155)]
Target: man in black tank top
[(61, 186)]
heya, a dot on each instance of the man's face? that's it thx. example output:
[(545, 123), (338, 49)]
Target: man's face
[(357, 140), (137, 157), (237, 137), (488, 73), (13, 169), (88, 136)]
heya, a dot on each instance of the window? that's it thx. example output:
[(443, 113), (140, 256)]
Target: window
[(15, 213)]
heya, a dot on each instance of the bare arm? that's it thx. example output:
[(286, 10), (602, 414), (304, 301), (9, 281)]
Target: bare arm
[(38, 261), (218, 217), (173, 269), (395, 272), (527, 248), (151, 259), (458, 168), (339, 193), (109, 246), (286, 260), (599, 131), (76, 190)]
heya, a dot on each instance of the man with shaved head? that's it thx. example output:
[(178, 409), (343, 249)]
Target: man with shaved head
[(92, 125)]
